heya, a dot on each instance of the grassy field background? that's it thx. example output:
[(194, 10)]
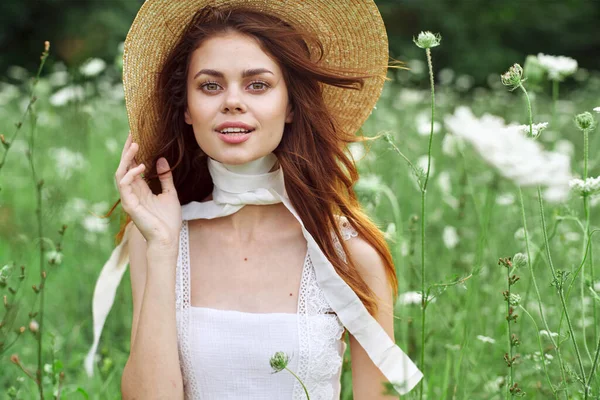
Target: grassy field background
[(473, 219)]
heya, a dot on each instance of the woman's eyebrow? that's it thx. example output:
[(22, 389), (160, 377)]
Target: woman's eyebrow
[(246, 73)]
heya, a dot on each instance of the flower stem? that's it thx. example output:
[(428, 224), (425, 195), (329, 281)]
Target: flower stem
[(586, 210), (423, 214), (299, 380), (537, 330), (593, 370), (511, 375), (586, 206), (547, 245), (29, 105), (528, 110), (38, 185), (537, 290), (559, 284)]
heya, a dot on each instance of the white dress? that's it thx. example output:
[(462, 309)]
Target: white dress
[(224, 354)]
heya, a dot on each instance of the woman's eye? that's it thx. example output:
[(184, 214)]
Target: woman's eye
[(206, 86), (259, 83)]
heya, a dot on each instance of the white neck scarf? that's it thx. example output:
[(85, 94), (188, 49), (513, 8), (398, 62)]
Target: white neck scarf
[(252, 183)]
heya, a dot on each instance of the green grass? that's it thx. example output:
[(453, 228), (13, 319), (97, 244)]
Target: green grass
[(457, 364)]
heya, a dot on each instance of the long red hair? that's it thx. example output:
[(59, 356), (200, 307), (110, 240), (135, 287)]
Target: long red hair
[(319, 173)]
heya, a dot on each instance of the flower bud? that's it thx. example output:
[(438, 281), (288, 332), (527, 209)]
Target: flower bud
[(585, 121), (279, 361), (519, 260), (427, 40), (15, 359), (513, 77)]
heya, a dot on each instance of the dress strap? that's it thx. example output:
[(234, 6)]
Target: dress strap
[(182, 285), (183, 301)]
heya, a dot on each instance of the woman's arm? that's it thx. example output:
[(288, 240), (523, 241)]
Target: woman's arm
[(367, 379), (152, 370)]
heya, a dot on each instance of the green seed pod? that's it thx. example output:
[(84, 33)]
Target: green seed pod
[(585, 121)]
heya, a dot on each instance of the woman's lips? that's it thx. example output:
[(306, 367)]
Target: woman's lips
[(234, 138)]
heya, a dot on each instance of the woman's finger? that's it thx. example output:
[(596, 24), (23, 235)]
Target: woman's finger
[(127, 144), (125, 187), (126, 162)]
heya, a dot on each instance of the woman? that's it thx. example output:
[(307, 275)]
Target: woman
[(245, 236)]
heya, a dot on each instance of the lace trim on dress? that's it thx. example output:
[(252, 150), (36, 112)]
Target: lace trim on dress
[(319, 331), (182, 301)]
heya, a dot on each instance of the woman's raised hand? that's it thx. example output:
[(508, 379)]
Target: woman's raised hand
[(158, 217)]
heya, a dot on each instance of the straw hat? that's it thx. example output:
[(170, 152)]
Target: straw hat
[(351, 31)]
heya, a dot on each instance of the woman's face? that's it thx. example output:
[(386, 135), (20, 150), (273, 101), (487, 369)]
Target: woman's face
[(220, 91)]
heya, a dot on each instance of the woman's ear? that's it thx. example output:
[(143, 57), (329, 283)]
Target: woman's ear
[(188, 118)]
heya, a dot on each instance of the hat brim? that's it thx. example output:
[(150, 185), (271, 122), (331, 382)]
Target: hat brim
[(351, 31)]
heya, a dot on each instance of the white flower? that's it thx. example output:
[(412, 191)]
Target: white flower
[(408, 298), (505, 199), (597, 286), (494, 385), (486, 339), (536, 128), (92, 67), (58, 78), (450, 237), (54, 256), (444, 182), (67, 161), (423, 123), (515, 156), (94, 224), (558, 67), (597, 109), (545, 333), (369, 183), (66, 94), (589, 186)]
